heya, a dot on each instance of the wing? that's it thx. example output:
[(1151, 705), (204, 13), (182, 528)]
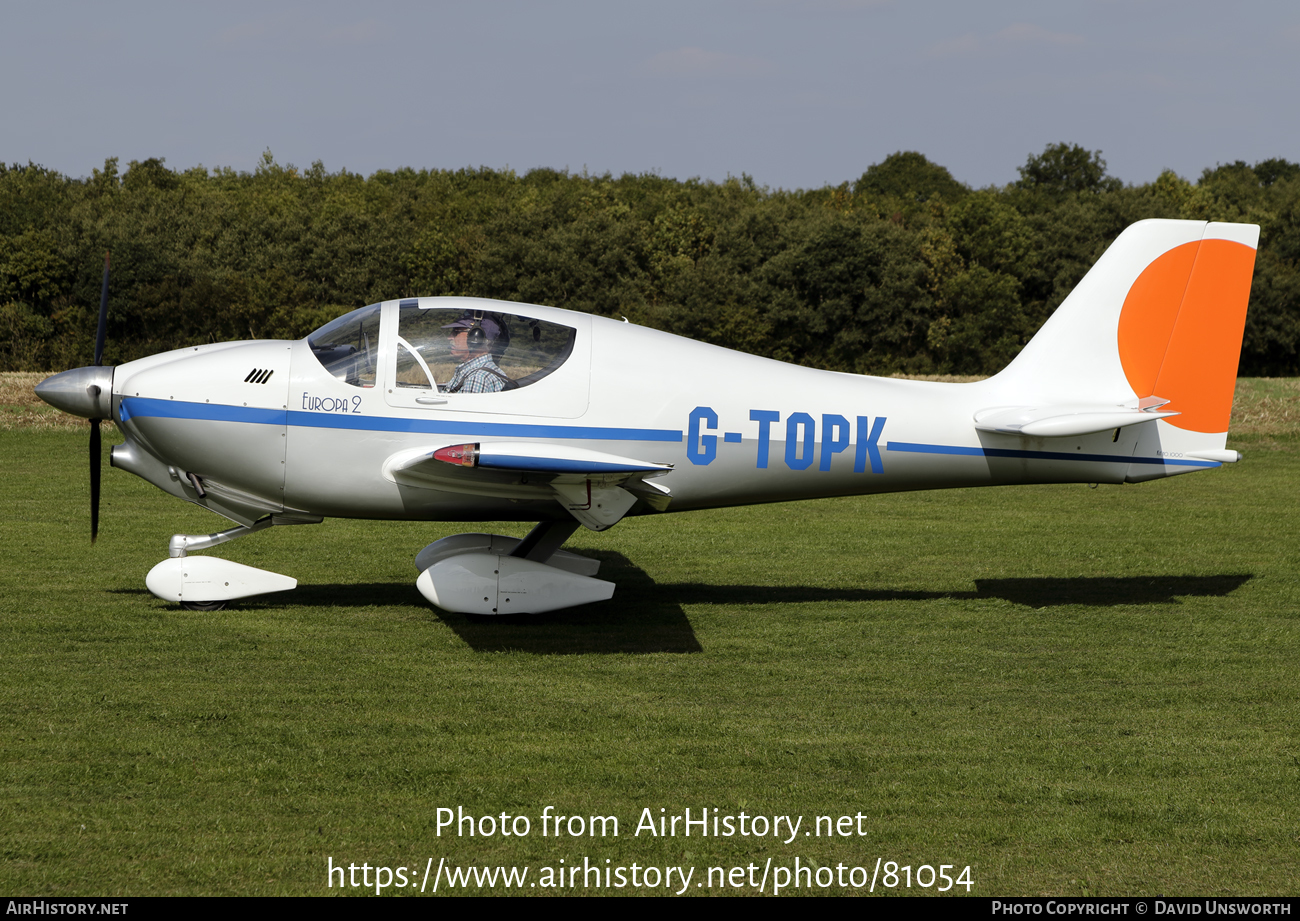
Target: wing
[(598, 489)]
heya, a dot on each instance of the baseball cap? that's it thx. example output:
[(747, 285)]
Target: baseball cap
[(490, 326)]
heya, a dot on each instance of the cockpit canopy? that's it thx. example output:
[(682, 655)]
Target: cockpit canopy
[(513, 350), (448, 349)]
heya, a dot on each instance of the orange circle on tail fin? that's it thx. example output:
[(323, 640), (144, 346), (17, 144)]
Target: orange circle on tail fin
[(1180, 330)]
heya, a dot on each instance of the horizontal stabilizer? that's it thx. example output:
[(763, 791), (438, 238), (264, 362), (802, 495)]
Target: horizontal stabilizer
[(1222, 456), (1066, 420)]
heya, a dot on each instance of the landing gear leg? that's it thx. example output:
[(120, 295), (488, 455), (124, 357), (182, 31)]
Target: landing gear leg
[(542, 541)]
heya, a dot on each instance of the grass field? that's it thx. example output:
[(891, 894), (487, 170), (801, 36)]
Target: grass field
[(1072, 691)]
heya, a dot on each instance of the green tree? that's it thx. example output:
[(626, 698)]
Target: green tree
[(911, 178), (1066, 169), (907, 270), (855, 297), (993, 234), (984, 325)]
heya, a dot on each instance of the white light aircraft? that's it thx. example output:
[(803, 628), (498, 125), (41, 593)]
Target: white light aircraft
[(462, 409)]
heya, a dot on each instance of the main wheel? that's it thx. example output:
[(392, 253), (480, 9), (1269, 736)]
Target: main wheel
[(203, 605)]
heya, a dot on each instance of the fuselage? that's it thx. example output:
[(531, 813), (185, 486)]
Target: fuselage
[(263, 428)]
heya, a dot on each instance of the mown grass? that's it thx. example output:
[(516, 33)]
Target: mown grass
[(1071, 690)]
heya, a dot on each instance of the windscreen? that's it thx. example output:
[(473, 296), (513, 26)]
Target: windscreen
[(348, 346)]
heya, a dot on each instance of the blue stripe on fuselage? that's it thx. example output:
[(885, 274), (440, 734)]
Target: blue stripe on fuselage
[(145, 407), (904, 447), (172, 409)]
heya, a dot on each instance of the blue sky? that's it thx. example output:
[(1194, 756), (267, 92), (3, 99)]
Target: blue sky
[(796, 93)]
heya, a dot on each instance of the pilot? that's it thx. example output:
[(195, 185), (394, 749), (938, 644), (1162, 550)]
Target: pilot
[(476, 338)]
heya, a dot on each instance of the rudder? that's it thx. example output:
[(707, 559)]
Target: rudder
[(1182, 342)]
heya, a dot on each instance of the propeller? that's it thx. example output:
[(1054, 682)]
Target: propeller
[(96, 453), (88, 393)]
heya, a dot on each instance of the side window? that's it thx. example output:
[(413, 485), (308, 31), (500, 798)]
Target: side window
[(476, 351), (347, 347)]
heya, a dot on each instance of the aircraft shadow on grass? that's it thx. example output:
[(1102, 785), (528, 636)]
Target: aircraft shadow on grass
[(648, 617), (1041, 592)]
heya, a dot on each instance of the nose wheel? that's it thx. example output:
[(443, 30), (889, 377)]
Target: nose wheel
[(207, 583)]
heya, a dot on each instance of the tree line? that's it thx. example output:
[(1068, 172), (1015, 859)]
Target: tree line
[(903, 270)]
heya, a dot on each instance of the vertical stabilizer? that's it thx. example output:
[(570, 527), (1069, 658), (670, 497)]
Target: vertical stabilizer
[(1159, 318)]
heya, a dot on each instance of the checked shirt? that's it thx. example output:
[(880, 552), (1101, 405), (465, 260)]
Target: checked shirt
[(478, 375)]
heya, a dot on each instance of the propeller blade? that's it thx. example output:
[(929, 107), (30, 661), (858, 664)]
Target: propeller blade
[(96, 454), (94, 479), (102, 331)]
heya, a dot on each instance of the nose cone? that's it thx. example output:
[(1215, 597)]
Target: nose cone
[(85, 392)]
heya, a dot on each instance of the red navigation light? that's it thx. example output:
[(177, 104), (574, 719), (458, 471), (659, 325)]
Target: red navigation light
[(460, 455)]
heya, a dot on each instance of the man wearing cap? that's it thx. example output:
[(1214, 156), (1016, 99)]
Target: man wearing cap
[(472, 338)]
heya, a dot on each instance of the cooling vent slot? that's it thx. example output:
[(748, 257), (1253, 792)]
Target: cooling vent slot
[(258, 376)]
